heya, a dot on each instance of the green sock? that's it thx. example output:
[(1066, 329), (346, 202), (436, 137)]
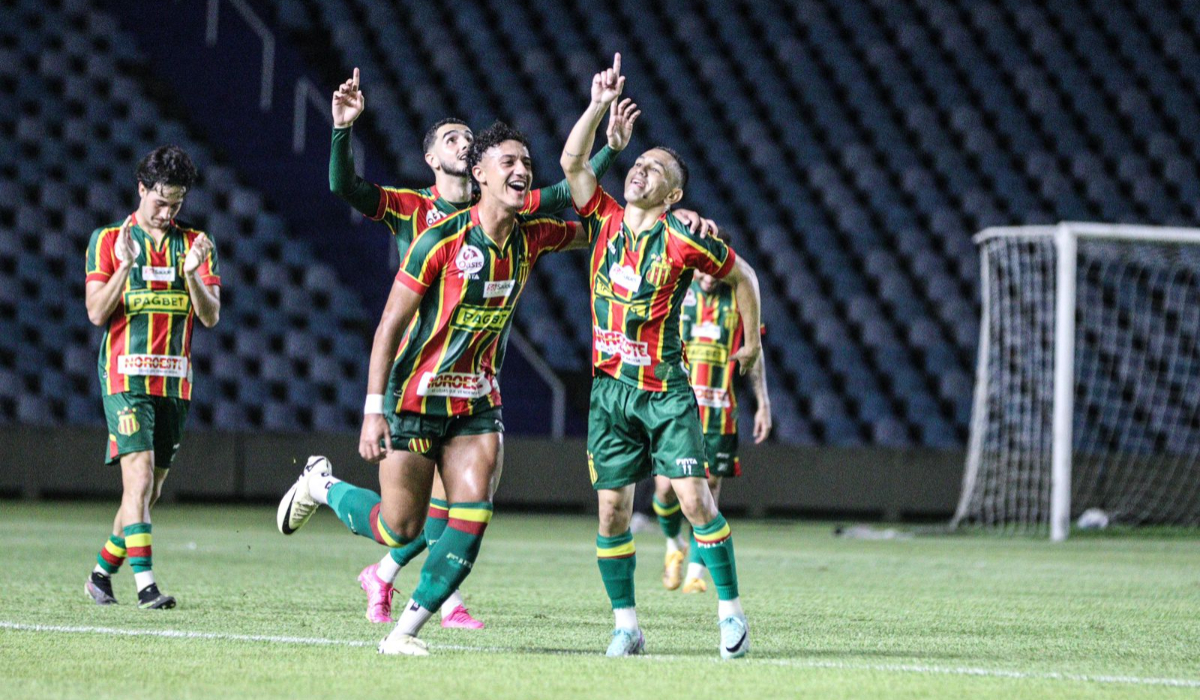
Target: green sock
[(617, 559), (138, 547), (694, 553), (112, 555), (358, 508), (453, 555), (435, 524), (716, 551), (670, 518)]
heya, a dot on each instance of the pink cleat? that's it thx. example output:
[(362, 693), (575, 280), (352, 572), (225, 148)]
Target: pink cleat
[(459, 618), (379, 594)]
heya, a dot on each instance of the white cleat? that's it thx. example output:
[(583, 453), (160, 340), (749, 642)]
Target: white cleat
[(298, 505), (405, 644)]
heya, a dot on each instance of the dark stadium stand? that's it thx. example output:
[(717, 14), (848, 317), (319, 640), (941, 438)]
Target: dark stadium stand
[(850, 147)]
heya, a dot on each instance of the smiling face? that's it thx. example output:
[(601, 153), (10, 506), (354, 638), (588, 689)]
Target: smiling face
[(448, 152), (653, 180), (159, 204), (504, 173)]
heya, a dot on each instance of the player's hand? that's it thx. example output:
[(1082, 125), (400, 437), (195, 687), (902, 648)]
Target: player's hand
[(747, 357), (608, 83), (696, 224), (199, 252), (762, 423), (348, 102), (126, 249), (375, 442), (621, 117)]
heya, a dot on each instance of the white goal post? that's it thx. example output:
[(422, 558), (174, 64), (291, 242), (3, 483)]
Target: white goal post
[(1087, 391)]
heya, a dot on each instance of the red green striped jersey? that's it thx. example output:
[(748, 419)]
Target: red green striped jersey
[(147, 347), (638, 285), (409, 212), (712, 331), (454, 351)]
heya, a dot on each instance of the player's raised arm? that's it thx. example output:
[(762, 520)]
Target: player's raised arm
[(606, 87), (401, 305), (348, 104), (109, 265), (745, 287)]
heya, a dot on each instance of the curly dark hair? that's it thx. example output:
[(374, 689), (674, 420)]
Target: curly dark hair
[(497, 133), (683, 169), (167, 165), (431, 135)]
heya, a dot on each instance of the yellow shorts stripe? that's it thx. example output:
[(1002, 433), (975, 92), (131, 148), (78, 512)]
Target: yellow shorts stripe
[(622, 550), (713, 536), (475, 515), (141, 539), (114, 550)]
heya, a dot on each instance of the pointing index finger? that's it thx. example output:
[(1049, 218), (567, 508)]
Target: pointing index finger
[(617, 63), (355, 79)]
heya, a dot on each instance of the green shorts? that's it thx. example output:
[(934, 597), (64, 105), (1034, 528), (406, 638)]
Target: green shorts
[(425, 435), (633, 433), (722, 455), (140, 423)]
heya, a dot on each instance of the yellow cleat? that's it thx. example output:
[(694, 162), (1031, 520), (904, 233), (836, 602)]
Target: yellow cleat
[(672, 570), (695, 585)]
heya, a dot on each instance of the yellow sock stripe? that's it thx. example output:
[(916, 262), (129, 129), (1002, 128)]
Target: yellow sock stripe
[(621, 550), (141, 539), (475, 515), (383, 533), (713, 536), (114, 550), (665, 511)]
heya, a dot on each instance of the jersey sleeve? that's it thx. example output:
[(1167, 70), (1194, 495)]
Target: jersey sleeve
[(344, 181), (398, 203), (708, 255), (547, 234), (210, 269), (101, 257), (425, 260), (599, 209), (557, 197)]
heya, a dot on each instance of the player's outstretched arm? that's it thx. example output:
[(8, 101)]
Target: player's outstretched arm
[(348, 104), (102, 297), (745, 287), (375, 440), (606, 87)]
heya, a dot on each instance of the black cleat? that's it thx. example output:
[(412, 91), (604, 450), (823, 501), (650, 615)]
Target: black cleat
[(150, 598), (99, 587)]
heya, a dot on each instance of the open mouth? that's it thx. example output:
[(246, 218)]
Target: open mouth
[(518, 186), (637, 182)]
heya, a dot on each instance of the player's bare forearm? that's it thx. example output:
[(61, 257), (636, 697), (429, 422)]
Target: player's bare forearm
[(401, 305), (580, 176), (102, 297), (758, 381), (745, 287), (206, 299)]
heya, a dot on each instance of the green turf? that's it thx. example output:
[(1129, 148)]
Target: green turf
[(830, 618)]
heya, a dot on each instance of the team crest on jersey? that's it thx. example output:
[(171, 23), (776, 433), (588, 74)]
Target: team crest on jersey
[(469, 262), (127, 422), (433, 216), (659, 272)]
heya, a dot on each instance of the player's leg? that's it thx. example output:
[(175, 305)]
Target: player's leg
[(670, 519), (694, 581), (721, 451), (455, 614)]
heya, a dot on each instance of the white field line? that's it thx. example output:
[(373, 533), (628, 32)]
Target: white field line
[(792, 663)]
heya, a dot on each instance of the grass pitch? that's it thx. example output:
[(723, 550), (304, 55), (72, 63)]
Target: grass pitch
[(262, 615)]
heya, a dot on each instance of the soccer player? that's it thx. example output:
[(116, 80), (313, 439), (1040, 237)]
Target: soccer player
[(439, 398), (712, 334), (407, 213), (148, 279), (643, 416)]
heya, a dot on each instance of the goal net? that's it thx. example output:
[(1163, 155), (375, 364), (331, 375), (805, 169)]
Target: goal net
[(1087, 392)]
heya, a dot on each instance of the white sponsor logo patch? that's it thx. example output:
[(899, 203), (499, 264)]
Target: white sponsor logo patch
[(689, 299), (499, 288), (711, 397), (153, 366), (433, 216), (616, 343), (706, 331), (687, 464), (469, 261), (158, 274), (455, 385), (624, 277)]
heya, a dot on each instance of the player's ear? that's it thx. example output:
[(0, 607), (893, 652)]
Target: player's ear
[(141, 189), (431, 161), (674, 196), (477, 173)]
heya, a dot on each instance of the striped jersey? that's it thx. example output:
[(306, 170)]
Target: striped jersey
[(712, 331), (147, 346), (452, 356), (638, 285)]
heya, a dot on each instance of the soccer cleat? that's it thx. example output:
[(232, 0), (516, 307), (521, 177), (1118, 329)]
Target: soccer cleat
[(695, 585), (460, 618), (403, 644), (626, 643), (99, 587), (379, 594), (673, 570), (735, 637), (298, 505), (150, 598)]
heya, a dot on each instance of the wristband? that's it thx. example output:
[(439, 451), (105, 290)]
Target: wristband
[(374, 404)]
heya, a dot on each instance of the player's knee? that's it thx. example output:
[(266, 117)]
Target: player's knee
[(406, 526), (697, 509), (613, 520)]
